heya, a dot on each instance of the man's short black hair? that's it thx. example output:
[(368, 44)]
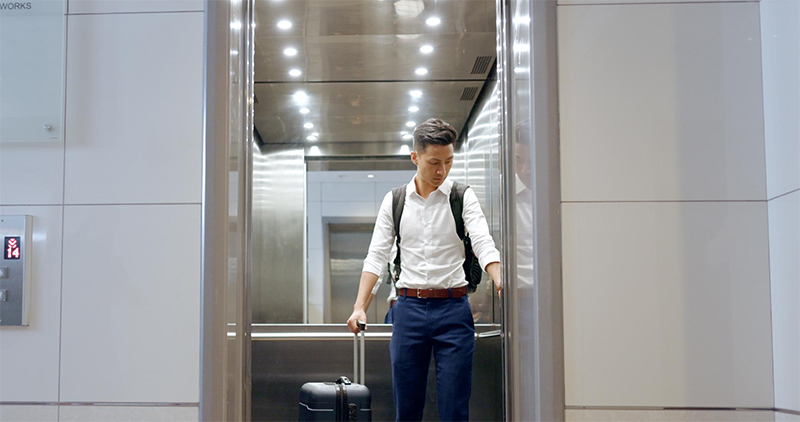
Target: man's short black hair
[(433, 132)]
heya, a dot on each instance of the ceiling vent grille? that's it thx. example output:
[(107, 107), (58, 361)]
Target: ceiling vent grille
[(481, 65), (469, 93)]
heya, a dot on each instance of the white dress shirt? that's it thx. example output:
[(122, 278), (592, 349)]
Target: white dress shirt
[(431, 253)]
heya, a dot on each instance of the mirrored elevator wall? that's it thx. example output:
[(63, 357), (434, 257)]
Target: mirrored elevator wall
[(477, 163)]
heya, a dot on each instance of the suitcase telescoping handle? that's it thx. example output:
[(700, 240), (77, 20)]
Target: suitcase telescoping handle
[(356, 379)]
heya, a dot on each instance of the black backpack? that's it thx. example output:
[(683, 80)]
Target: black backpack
[(472, 268)]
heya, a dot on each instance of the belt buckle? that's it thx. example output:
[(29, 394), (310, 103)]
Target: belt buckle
[(420, 291)]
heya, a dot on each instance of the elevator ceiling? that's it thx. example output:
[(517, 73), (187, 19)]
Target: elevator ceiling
[(358, 75)]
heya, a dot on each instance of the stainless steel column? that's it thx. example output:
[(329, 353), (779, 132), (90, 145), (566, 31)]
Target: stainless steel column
[(227, 151), (507, 206), (532, 303), (215, 212)]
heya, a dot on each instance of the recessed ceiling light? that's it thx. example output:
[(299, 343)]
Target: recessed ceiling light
[(421, 71), (304, 110), (295, 72), (409, 8), (433, 21), (410, 124), (416, 93), (308, 125), (284, 24), (300, 96), (427, 49), (290, 51), (404, 149), (312, 138), (407, 136), (370, 176), (413, 109)]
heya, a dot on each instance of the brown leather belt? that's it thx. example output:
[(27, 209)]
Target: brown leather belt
[(434, 293)]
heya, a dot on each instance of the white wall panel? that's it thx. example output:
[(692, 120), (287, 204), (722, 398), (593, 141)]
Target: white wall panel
[(382, 188), (780, 40), (128, 414), (349, 209), (667, 304), (134, 6), (29, 355), (786, 417), (316, 286), (314, 233), (31, 173), (602, 415), (314, 192), (784, 256), (661, 102), (131, 303), (18, 413), (403, 176), (349, 191), (134, 108)]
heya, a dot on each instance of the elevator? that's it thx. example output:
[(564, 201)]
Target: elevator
[(316, 100)]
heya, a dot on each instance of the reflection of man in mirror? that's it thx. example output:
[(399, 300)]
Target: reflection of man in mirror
[(523, 200), (432, 314), (525, 293)]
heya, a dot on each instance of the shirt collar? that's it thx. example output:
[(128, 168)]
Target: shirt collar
[(445, 187), (519, 185)]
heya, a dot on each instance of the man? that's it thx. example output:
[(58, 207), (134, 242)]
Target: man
[(432, 313)]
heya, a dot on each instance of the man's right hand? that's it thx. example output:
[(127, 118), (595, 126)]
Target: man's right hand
[(352, 322)]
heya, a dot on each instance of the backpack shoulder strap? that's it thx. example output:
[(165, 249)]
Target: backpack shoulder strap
[(457, 207), (398, 202)]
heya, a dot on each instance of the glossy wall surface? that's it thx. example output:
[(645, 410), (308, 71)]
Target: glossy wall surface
[(284, 361), (478, 165), (117, 224), (277, 293), (665, 218)]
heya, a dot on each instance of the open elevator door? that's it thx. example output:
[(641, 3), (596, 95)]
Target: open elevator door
[(533, 357)]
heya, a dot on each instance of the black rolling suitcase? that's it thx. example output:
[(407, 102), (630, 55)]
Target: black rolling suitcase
[(341, 400)]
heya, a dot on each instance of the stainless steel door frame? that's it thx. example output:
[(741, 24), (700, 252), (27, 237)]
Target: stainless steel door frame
[(533, 361), (227, 176), (506, 223)]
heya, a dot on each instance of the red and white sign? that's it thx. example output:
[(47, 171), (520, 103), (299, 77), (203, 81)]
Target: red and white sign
[(11, 249)]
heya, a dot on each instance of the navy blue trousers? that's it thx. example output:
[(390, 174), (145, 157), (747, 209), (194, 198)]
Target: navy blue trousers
[(440, 327)]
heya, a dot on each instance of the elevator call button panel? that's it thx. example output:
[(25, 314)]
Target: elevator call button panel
[(15, 268)]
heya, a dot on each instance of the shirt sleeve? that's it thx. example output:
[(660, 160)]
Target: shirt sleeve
[(382, 238), (478, 229)]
